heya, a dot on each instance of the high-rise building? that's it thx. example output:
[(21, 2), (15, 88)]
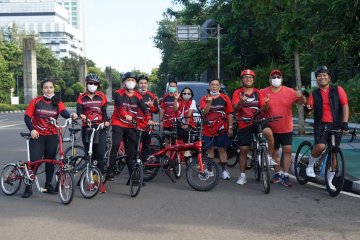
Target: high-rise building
[(57, 23)]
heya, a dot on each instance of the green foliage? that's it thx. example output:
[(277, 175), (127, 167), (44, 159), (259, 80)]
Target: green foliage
[(8, 107)]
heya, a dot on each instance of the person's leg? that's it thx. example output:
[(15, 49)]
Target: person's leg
[(117, 137), (287, 150), (319, 146), (51, 145), (99, 150), (130, 144), (270, 138), (244, 139), (276, 156)]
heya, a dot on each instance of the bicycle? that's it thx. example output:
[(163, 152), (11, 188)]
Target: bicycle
[(91, 178), (13, 174), (329, 167), (197, 175)]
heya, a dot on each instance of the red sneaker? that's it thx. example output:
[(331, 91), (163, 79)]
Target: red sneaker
[(102, 188)]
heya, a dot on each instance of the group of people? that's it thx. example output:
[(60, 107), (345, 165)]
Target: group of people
[(135, 102)]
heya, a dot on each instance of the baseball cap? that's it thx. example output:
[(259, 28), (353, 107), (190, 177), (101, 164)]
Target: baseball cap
[(276, 71)]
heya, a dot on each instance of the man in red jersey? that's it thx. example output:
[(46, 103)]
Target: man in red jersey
[(331, 109), (281, 100), (246, 102), (127, 104), (218, 116)]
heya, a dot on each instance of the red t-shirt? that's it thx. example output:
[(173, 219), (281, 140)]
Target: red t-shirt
[(253, 104), (217, 117), (280, 104), (40, 110), (167, 104), (326, 115), (92, 108)]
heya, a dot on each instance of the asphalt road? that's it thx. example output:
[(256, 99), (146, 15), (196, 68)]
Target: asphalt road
[(165, 210)]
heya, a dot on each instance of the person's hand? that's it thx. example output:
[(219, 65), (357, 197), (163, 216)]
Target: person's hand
[(73, 116), (176, 95), (152, 123), (149, 103), (243, 98), (345, 127), (299, 93), (34, 134), (230, 132), (208, 99), (83, 117), (267, 98), (106, 123), (128, 117)]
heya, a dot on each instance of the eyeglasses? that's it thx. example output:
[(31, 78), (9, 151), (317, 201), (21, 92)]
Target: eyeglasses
[(247, 77), (186, 93), (274, 77), (92, 83)]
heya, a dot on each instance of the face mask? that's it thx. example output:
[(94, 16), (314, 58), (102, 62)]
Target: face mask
[(141, 90), (49, 96), (130, 85), (92, 88), (186, 97), (172, 89), (214, 93), (276, 82)]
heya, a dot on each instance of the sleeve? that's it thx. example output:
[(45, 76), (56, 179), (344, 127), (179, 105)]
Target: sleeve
[(155, 107), (261, 98), (78, 109), (343, 96), (235, 97), (104, 100), (28, 123), (293, 95), (310, 101), (162, 105), (229, 108), (30, 109), (118, 106), (193, 105), (202, 103)]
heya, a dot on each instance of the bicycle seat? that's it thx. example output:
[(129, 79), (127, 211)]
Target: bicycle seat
[(25, 135), (168, 133), (74, 130)]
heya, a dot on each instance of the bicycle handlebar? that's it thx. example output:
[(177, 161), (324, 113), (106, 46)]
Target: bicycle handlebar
[(54, 122)]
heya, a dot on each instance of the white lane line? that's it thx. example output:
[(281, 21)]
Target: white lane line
[(12, 125), (5, 119)]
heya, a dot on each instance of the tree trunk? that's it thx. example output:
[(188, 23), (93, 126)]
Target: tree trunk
[(298, 85)]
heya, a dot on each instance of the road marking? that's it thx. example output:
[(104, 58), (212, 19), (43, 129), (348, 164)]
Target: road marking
[(12, 125), (5, 119)]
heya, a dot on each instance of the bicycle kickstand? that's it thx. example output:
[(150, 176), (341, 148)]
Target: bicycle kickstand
[(171, 178)]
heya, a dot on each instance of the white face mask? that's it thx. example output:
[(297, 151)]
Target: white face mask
[(130, 85), (276, 82), (49, 96), (92, 88), (186, 97), (214, 93)]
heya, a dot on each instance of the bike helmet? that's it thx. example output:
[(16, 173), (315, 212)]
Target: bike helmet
[(142, 77), (321, 69), (92, 77), (129, 75), (247, 72)]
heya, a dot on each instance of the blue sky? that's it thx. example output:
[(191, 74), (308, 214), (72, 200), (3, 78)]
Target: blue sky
[(118, 33)]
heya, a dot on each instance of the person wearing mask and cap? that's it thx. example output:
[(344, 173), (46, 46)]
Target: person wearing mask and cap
[(167, 112), (331, 110), (246, 102), (281, 100), (92, 105), (44, 136), (127, 105)]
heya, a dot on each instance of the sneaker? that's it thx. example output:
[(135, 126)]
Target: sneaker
[(276, 178), (272, 161), (310, 172), (226, 175), (330, 177), (209, 173), (286, 181), (102, 188), (28, 192), (49, 188), (241, 180), (109, 176)]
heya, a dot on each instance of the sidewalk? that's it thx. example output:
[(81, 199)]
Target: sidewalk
[(351, 153)]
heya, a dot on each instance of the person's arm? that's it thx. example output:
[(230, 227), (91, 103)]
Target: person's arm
[(28, 122), (300, 98), (208, 100), (155, 108)]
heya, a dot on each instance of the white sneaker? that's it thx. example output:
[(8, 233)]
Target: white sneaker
[(310, 172), (272, 161), (330, 177), (209, 173), (226, 175), (241, 180)]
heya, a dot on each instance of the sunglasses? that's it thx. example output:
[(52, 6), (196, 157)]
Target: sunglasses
[(93, 83), (186, 93), (274, 77)]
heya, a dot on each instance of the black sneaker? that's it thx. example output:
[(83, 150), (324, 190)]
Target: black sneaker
[(28, 192), (49, 188)]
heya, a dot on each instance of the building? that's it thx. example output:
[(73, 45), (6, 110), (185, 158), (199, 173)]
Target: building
[(55, 26)]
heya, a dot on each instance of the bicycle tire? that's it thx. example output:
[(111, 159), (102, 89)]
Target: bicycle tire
[(136, 180), (339, 171), (265, 169), (149, 172), (202, 182), (177, 166), (301, 161), (155, 141), (90, 181), (76, 157), (10, 179), (257, 166), (233, 156), (66, 187)]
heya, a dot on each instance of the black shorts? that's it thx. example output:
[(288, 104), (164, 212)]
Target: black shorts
[(282, 139), (321, 137), (245, 137)]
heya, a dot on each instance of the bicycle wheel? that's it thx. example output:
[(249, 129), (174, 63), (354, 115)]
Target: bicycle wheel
[(149, 171), (90, 181), (136, 180), (176, 169), (203, 181), (10, 179), (335, 172), (301, 161), (76, 157), (66, 187), (257, 166), (156, 141), (233, 155), (265, 169)]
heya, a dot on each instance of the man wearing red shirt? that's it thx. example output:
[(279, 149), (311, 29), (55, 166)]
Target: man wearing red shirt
[(331, 109), (281, 100), (246, 102)]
